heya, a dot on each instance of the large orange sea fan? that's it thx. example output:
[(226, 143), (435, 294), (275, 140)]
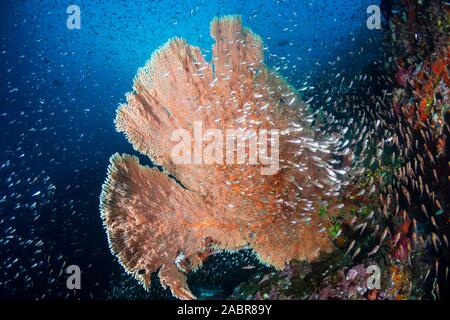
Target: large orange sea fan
[(170, 220)]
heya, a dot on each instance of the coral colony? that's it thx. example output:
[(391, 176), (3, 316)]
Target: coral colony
[(320, 197), (157, 222)]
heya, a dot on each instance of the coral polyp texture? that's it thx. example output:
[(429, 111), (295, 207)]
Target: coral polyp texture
[(170, 220)]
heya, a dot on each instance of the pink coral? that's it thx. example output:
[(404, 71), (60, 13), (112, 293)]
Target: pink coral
[(155, 223), (402, 77)]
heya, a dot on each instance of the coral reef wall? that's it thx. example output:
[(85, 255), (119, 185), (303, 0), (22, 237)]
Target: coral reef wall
[(418, 46)]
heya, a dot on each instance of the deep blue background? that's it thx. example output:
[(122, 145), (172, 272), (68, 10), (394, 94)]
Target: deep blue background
[(59, 89)]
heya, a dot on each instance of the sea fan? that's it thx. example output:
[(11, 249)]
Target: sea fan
[(170, 220)]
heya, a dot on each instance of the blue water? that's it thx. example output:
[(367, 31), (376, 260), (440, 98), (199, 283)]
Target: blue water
[(59, 89)]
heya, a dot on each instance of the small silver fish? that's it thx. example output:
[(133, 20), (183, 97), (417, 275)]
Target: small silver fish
[(374, 250), (350, 247)]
